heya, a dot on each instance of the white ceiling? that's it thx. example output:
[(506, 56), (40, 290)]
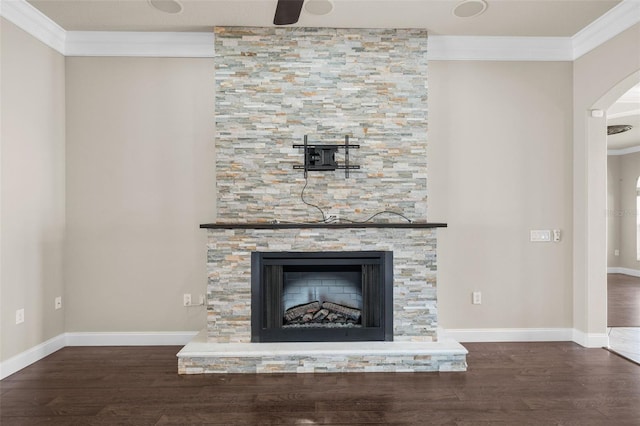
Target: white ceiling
[(536, 18)]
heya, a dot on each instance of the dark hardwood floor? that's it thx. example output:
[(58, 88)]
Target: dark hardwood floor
[(507, 383), (623, 301)]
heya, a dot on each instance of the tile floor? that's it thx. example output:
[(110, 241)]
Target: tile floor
[(626, 342)]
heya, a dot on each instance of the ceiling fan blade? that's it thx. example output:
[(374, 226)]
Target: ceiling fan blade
[(287, 12)]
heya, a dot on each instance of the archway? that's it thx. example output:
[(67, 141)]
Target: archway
[(594, 296)]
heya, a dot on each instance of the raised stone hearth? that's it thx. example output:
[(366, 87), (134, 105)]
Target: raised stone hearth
[(201, 357)]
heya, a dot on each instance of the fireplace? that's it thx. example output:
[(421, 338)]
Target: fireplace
[(261, 220), (321, 296)]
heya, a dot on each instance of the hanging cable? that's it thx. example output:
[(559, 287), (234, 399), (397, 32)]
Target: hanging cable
[(377, 214), (306, 181)]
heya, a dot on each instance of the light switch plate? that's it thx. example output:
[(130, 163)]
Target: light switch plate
[(540, 236)]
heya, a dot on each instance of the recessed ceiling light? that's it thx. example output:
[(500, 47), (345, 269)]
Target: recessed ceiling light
[(318, 7), (166, 6), (618, 128), (470, 8)]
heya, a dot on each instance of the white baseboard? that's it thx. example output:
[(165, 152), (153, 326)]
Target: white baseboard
[(588, 340), (591, 340), (151, 338), (470, 335), (625, 271), (28, 357), (179, 338)]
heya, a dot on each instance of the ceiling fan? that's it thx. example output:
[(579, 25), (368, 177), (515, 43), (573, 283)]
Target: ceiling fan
[(287, 12)]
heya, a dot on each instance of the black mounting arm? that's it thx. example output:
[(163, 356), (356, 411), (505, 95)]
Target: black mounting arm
[(323, 157)]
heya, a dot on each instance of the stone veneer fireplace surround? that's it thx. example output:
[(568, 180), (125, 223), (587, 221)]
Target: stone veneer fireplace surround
[(273, 86), (226, 345)]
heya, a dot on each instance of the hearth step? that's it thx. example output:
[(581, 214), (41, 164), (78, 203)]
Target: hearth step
[(201, 357)]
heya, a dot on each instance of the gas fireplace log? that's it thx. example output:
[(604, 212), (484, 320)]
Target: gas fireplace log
[(332, 317), (300, 310), (348, 312), (320, 315)]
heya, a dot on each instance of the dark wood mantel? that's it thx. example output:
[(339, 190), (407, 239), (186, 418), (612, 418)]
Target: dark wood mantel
[(289, 225)]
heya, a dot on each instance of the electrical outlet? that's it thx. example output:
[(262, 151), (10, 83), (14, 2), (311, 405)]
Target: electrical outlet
[(616, 252), (202, 300), (476, 298), (57, 303), (186, 299), (20, 316)]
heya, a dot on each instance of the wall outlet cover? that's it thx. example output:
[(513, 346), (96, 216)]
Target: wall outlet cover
[(20, 316)]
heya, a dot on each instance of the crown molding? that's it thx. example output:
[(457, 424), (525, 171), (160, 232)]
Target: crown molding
[(472, 48), (34, 22), (618, 19), (147, 44), (180, 44), (624, 151)]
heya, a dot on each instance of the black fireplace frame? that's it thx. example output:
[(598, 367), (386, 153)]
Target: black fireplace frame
[(266, 321)]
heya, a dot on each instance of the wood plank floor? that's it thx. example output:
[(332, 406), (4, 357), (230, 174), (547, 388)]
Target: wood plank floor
[(623, 301), (507, 383)]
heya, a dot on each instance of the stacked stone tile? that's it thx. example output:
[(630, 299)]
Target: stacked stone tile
[(275, 85), (414, 278)]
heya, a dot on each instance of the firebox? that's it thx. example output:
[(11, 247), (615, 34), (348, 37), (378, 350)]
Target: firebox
[(321, 296)]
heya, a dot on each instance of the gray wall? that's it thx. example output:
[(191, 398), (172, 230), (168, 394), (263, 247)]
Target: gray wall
[(134, 197), (614, 211), (32, 217), (491, 123), (140, 179), (500, 165), (625, 170)]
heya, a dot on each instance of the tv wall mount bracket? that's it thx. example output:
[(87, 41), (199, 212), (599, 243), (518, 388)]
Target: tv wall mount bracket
[(323, 157)]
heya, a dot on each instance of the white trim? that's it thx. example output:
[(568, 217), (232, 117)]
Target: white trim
[(146, 44), (618, 19), (149, 338), (474, 48), (34, 22), (200, 45), (624, 151), (508, 334), (28, 357), (591, 340), (625, 271)]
